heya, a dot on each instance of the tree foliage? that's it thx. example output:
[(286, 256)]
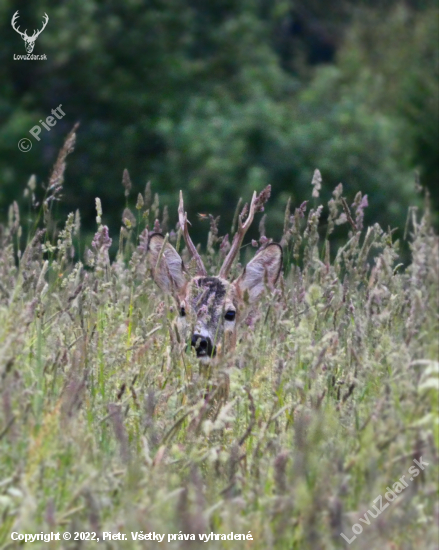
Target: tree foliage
[(224, 97)]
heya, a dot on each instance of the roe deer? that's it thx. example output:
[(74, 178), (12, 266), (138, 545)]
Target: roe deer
[(210, 308)]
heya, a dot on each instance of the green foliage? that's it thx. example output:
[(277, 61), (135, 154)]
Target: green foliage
[(397, 59), (218, 99), (107, 425)]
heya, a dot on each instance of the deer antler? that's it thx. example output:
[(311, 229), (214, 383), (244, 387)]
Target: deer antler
[(256, 205), (45, 21), (24, 34), (182, 218), (13, 21)]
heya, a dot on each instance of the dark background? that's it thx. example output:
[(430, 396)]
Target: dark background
[(222, 97)]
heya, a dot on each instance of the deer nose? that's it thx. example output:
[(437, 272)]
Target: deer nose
[(203, 345)]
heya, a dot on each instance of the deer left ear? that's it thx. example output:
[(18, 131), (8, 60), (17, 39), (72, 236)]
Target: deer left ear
[(263, 270), (166, 265)]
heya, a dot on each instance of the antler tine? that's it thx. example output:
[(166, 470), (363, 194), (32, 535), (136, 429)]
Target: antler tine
[(13, 22), (45, 21), (182, 218), (238, 238)]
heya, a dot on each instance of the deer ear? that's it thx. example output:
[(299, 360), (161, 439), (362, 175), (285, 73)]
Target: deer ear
[(169, 273), (263, 270)]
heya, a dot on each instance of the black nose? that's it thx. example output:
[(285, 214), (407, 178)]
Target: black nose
[(203, 345)]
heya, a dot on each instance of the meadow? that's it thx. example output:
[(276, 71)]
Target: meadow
[(333, 389)]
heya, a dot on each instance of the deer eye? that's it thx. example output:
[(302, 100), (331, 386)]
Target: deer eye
[(182, 312), (230, 315)]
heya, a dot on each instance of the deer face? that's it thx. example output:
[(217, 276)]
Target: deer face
[(210, 308), (29, 45), (207, 314)]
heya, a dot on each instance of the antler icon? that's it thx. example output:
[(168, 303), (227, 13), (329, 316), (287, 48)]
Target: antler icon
[(29, 41)]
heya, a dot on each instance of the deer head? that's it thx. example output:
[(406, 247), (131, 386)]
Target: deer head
[(29, 41), (210, 308)]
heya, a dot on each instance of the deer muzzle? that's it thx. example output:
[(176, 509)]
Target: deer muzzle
[(203, 346)]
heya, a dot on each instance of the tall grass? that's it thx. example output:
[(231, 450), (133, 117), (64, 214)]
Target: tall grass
[(333, 388)]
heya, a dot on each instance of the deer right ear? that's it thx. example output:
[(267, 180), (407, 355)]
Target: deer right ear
[(169, 272), (263, 270)]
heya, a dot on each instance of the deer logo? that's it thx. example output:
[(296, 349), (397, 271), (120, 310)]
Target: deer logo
[(29, 41), (210, 308)]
